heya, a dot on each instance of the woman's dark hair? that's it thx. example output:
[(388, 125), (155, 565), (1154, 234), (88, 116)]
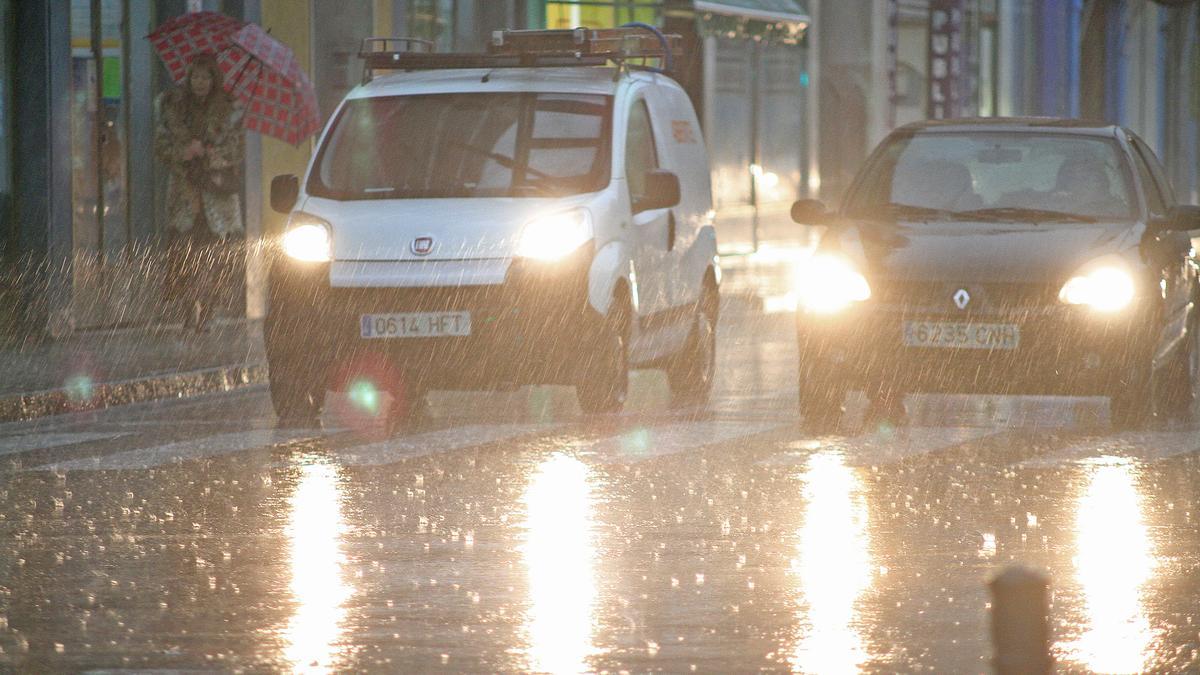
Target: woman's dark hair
[(218, 100)]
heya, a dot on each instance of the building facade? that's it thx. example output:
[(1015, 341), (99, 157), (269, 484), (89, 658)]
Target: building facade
[(1129, 62), (792, 94), (80, 222)]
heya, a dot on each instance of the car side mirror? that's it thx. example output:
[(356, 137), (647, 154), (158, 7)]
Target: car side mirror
[(810, 212), (285, 190), (662, 191), (1183, 219)]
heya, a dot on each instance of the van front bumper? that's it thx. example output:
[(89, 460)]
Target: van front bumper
[(529, 329)]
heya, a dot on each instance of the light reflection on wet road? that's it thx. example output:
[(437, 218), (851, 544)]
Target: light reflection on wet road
[(559, 555), (833, 567), (1114, 559), (510, 533), (318, 576)]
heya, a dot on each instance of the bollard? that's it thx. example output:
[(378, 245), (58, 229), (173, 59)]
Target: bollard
[(1020, 622)]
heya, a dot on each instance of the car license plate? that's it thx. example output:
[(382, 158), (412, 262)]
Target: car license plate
[(962, 335), (415, 325)]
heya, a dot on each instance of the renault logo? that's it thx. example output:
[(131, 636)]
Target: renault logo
[(962, 298), (422, 245)]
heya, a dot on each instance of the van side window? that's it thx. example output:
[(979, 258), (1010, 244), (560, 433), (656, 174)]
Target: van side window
[(640, 154)]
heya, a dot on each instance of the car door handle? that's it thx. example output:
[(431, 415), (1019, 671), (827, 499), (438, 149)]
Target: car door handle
[(671, 231)]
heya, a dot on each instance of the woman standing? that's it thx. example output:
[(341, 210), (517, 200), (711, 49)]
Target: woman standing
[(199, 139)]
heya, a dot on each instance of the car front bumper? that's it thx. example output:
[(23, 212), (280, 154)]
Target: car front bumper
[(531, 329), (1062, 351)]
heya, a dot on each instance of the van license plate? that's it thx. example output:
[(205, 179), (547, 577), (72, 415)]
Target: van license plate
[(415, 325), (962, 335)]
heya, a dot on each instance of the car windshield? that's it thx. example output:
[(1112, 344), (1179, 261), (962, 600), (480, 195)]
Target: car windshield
[(997, 176), (466, 145)]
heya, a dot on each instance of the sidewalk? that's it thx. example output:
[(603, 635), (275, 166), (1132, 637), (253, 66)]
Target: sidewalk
[(99, 369)]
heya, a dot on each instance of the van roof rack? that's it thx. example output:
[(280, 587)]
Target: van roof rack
[(529, 49)]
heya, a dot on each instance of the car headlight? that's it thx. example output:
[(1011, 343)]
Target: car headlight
[(1106, 288), (829, 283), (307, 239), (555, 236)]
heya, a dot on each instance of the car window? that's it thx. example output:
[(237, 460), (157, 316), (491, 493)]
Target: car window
[(1158, 189), (466, 145), (641, 157), (1154, 200), (957, 172)]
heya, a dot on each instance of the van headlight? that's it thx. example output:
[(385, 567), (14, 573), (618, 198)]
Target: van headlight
[(828, 283), (555, 236), (1105, 288), (307, 239)]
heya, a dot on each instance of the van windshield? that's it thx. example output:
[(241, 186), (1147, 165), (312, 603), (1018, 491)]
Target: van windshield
[(466, 145)]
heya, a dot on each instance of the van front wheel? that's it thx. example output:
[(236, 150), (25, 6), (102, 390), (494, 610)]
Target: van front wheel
[(297, 396), (604, 379), (691, 373)]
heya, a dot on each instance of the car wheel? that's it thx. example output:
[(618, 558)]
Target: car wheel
[(604, 377), (693, 370), (296, 395), (822, 398), (1178, 395)]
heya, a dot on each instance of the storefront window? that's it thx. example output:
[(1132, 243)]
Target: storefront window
[(433, 20), (98, 125), (98, 153), (591, 14), (337, 68)]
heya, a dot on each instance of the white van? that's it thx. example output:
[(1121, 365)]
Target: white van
[(540, 214)]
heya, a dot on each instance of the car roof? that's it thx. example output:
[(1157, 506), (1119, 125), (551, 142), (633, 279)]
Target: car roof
[(1055, 125), (581, 80)]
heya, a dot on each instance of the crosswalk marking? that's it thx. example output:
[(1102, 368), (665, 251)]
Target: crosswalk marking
[(1144, 446), (880, 448), (181, 451), (645, 443), (434, 442), (29, 442)]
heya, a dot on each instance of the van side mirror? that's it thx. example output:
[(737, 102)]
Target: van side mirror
[(810, 212), (1183, 219), (285, 190), (662, 191)]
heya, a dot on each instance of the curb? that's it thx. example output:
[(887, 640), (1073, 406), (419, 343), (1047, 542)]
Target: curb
[(24, 407)]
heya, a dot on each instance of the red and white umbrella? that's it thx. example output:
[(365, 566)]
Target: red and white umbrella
[(263, 73)]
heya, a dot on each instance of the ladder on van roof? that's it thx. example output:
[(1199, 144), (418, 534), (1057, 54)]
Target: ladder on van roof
[(529, 49)]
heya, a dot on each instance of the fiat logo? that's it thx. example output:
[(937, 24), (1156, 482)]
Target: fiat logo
[(962, 298), (422, 245)]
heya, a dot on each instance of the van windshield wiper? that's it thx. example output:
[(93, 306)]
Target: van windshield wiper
[(1018, 213), (896, 210)]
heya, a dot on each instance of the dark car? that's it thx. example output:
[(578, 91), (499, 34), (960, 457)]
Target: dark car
[(1004, 256)]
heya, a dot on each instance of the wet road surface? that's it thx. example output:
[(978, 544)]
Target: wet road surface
[(508, 532)]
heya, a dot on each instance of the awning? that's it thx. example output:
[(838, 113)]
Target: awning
[(771, 11)]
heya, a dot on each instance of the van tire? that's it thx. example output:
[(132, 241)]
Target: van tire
[(604, 377), (295, 395), (692, 371)]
